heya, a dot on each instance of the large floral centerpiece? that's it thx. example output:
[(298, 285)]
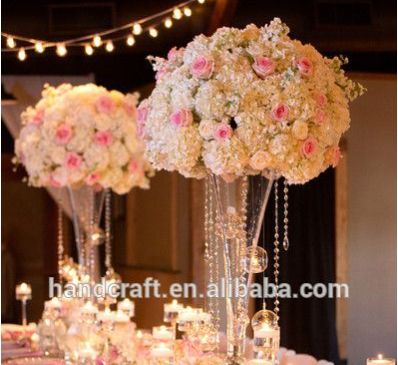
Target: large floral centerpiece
[(244, 101), (83, 135)]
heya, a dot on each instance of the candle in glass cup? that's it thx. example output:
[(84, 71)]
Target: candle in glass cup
[(23, 291), (162, 351), (127, 307), (163, 333), (171, 311), (380, 360)]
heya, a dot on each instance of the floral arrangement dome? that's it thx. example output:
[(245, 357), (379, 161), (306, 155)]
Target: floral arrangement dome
[(83, 135), (246, 102)]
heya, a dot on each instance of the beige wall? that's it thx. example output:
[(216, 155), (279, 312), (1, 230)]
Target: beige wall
[(372, 235)]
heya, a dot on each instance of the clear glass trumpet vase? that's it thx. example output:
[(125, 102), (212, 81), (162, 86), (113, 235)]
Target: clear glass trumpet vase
[(233, 226)]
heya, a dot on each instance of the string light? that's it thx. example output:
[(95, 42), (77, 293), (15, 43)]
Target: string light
[(153, 32), (168, 23), (91, 41), (97, 41), (61, 50), (109, 46), (130, 40), (22, 54), (88, 49), (187, 12), (39, 47), (137, 29), (11, 42), (177, 14)]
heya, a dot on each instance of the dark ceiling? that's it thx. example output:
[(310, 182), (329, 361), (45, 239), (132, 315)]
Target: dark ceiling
[(365, 30)]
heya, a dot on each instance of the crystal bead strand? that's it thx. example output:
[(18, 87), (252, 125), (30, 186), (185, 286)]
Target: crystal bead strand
[(60, 242), (285, 216), (91, 230), (276, 250), (206, 222), (108, 235)]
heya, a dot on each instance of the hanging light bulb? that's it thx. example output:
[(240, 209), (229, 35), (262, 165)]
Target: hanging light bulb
[(11, 42), (39, 47), (177, 13), (109, 46), (22, 54), (168, 23), (130, 40), (187, 12), (97, 41), (137, 29), (61, 50), (201, 1), (153, 32), (88, 49)]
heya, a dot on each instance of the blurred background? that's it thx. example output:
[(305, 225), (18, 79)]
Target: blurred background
[(343, 224)]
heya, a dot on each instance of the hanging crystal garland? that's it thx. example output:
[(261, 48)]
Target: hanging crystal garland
[(276, 249), (285, 216), (111, 277), (60, 250)]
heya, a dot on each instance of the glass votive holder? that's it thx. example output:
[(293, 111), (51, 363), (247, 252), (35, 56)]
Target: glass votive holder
[(188, 317), (266, 343), (163, 353), (380, 360), (171, 311), (127, 306), (88, 313), (86, 356), (23, 292), (163, 334)]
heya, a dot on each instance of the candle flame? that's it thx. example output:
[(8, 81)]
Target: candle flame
[(380, 356)]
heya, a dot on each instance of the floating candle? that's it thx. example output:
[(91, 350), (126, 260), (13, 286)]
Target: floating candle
[(163, 333), (380, 360), (162, 351)]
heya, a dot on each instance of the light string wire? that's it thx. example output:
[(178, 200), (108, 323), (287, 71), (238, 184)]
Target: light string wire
[(77, 41)]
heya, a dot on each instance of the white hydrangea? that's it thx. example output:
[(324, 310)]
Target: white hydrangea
[(247, 101), (83, 135)]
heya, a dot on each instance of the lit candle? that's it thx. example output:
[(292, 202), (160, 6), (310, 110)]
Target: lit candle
[(266, 331), (162, 351), (139, 335), (163, 333), (89, 308), (106, 316), (54, 303), (87, 353), (380, 360), (126, 306), (23, 290), (172, 307), (121, 317)]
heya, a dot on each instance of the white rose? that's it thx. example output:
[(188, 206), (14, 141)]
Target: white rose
[(260, 160), (118, 154), (58, 155), (206, 129), (300, 130)]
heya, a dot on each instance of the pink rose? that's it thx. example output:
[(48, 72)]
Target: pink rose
[(63, 134), (73, 161), (321, 99), (38, 117), (174, 53), (129, 108), (223, 132), (263, 66), (304, 66), (319, 116), (335, 156), (181, 118), (103, 138), (105, 104), (92, 178), (142, 114), (202, 67), (280, 112), (309, 147)]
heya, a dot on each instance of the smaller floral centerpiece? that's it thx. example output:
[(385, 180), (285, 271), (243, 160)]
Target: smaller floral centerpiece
[(83, 135), (244, 102)]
